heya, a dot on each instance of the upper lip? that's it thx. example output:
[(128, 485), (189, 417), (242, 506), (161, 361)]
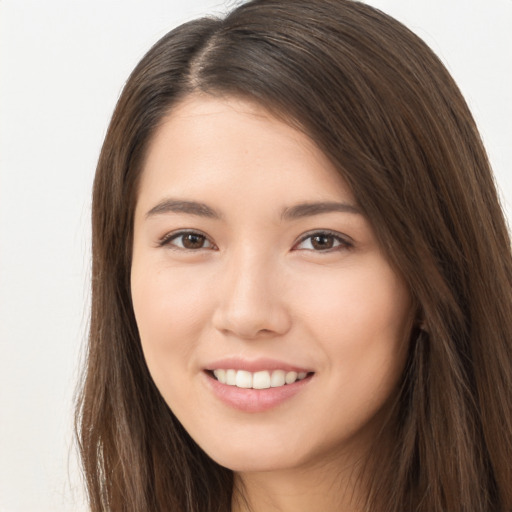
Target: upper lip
[(254, 365)]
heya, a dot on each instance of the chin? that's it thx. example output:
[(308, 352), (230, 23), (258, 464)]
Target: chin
[(248, 453), (248, 462), (259, 453)]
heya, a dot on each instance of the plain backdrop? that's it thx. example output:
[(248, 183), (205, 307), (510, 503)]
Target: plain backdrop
[(62, 66)]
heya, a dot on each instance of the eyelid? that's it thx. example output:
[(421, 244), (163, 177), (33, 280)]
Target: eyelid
[(345, 241), (169, 237)]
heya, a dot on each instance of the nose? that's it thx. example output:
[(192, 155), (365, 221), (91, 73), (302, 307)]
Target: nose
[(250, 302)]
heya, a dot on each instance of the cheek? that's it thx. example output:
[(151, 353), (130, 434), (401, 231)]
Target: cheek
[(170, 314), (359, 300), (363, 331), (362, 322)]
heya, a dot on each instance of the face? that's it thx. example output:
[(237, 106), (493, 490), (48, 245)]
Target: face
[(270, 320)]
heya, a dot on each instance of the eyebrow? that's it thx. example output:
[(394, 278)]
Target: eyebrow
[(309, 209), (179, 206), (289, 213)]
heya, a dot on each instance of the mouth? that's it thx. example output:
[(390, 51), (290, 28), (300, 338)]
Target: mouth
[(263, 379), (256, 385)]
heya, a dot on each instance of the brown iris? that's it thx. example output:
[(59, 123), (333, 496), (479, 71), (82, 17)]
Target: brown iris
[(193, 241), (322, 242)]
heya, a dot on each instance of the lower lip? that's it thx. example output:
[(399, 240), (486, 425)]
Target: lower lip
[(255, 400)]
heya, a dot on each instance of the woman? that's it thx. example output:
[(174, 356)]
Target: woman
[(301, 276)]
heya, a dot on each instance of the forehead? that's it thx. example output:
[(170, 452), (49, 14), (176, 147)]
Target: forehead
[(209, 144)]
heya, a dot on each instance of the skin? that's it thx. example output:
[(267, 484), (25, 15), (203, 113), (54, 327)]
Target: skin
[(256, 286)]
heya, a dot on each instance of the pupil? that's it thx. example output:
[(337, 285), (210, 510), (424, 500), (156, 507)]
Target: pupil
[(193, 241), (322, 242)]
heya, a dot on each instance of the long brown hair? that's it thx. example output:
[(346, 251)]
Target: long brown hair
[(384, 109)]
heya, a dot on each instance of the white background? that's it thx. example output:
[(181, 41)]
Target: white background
[(62, 66)]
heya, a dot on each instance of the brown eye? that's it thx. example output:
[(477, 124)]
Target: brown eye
[(186, 240), (193, 241), (324, 242)]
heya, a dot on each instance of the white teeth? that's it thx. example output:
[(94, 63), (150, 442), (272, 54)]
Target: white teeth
[(231, 377), (258, 380), (291, 377), (261, 380), (243, 379), (220, 375), (278, 378)]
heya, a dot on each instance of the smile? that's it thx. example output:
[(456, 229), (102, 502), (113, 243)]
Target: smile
[(258, 390), (257, 380)]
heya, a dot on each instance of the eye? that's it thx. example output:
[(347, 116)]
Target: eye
[(186, 240), (323, 241)]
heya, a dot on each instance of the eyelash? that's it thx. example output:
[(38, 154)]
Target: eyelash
[(343, 242), (167, 239)]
